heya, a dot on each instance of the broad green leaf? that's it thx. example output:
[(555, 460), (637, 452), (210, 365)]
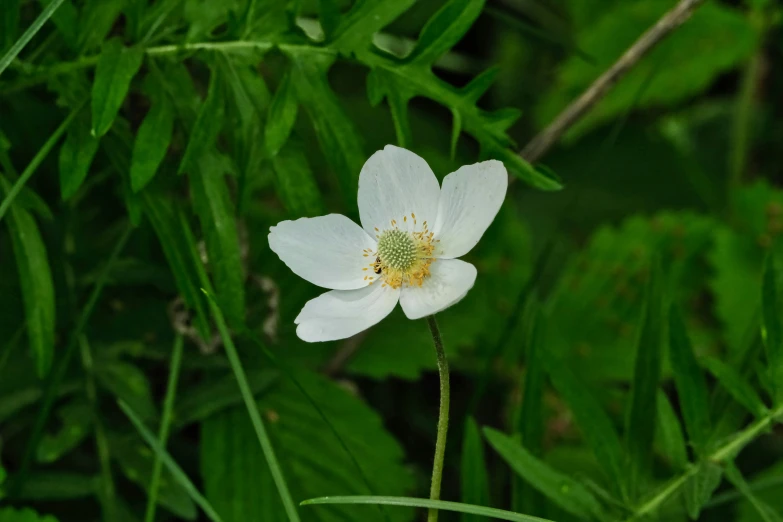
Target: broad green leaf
[(736, 385), (690, 382), (773, 330), (640, 423), (329, 16), (337, 136), (700, 486), (116, 68), (441, 505), (57, 486), (136, 461), (10, 514), (718, 38), (237, 480), (296, 184), (563, 490), (366, 17), (594, 422), (96, 21), (76, 157), (35, 279), (76, 420), (152, 142), (766, 512), (128, 382), (669, 434), (445, 29), (281, 118), (207, 126), (215, 210), (474, 481)]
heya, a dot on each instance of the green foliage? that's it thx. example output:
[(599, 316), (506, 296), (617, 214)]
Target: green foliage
[(113, 74), (474, 483), (23, 515)]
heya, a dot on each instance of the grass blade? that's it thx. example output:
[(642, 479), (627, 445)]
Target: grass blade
[(165, 424), (773, 330), (441, 505), (172, 466), (15, 49), (475, 484)]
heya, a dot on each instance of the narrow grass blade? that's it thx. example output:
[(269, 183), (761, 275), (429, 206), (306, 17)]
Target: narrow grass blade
[(475, 484), (15, 49), (172, 466), (773, 329), (441, 505), (165, 424)]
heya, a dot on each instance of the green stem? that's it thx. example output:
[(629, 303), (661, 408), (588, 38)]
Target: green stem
[(443, 417), (165, 423), (15, 49)]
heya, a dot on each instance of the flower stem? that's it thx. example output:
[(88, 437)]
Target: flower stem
[(443, 417)]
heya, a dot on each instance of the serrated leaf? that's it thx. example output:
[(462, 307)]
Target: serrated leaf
[(563, 490), (773, 330), (207, 126), (151, 143), (76, 156), (690, 382), (296, 184), (736, 385), (366, 17), (136, 461), (238, 482), (281, 118), (10, 514), (700, 486), (116, 68), (640, 426), (474, 480), (669, 433), (718, 38), (212, 203), (444, 29), (35, 279)]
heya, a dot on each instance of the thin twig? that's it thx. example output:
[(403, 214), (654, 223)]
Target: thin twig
[(539, 145)]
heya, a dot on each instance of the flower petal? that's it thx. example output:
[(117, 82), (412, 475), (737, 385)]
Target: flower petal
[(469, 200), (449, 282), (325, 250), (342, 313), (395, 183)]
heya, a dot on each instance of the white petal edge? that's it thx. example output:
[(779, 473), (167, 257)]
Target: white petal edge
[(393, 184), (342, 313), (325, 250), (469, 201), (449, 282)]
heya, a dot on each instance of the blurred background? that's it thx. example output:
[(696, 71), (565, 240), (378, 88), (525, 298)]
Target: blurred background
[(146, 147)]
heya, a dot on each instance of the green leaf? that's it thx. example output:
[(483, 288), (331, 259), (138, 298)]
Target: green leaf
[(767, 487), (773, 330), (281, 118), (151, 143), (474, 483), (9, 23), (57, 486), (237, 478), (35, 279), (736, 385), (700, 486), (207, 126), (640, 425), (76, 156), (336, 134), (329, 16), (76, 420), (690, 382), (718, 38), (592, 419), (296, 184), (563, 490), (428, 504), (366, 17), (669, 434), (96, 21), (66, 18), (765, 511), (116, 68), (215, 210), (128, 382), (444, 30), (10, 514)]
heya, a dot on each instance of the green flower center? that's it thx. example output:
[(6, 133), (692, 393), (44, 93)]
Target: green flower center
[(397, 249)]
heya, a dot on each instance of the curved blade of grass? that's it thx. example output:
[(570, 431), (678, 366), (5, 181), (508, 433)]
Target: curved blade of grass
[(172, 466), (165, 423), (442, 505), (15, 49)]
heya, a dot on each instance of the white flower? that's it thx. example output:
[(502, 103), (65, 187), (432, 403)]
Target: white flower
[(413, 231)]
